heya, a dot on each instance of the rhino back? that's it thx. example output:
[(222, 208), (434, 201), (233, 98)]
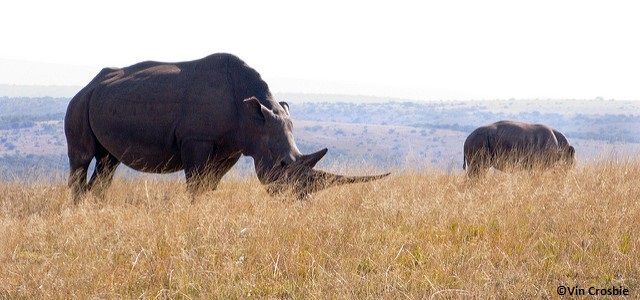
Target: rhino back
[(140, 113), (535, 138)]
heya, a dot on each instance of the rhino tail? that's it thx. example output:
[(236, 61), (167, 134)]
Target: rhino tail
[(464, 162)]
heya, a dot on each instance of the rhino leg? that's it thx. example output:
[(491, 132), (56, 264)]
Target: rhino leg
[(194, 155), (204, 165), (81, 150), (217, 167), (476, 171), (78, 178), (81, 143), (478, 165), (106, 165)]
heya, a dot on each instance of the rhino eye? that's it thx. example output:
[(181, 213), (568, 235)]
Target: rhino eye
[(283, 163)]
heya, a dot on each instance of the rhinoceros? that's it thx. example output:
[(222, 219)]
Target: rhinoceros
[(198, 116), (509, 145)]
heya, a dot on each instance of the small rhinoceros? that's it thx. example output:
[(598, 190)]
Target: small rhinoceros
[(198, 116), (507, 145)]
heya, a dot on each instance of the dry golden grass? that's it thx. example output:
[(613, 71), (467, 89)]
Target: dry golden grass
[(413, 235)]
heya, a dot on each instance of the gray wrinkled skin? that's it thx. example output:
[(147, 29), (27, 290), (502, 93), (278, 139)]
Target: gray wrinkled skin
[(509, 145), (198, 116)]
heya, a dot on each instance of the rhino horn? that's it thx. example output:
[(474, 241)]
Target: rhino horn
[(319, 180), (310, 160)]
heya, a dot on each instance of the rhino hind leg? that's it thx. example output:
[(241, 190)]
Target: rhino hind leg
[(475, 171), (81, 143), (477, 165), (78, 178), (81, 153), (102, 176)]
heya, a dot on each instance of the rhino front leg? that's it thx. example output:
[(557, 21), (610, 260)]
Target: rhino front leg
[(195, 155), (218, 166), (205, 165)]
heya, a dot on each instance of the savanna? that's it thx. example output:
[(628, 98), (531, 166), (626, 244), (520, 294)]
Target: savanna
[(423, 234)]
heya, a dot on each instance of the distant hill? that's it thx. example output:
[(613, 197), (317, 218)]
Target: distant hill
[(358, 130), (311, 97)]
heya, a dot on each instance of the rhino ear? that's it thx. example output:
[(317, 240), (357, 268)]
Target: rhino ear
[(254, 109), (285, 105)]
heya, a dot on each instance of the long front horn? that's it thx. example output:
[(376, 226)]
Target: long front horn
[(319, 180)]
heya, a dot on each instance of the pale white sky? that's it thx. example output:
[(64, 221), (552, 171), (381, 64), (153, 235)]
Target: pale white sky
[(423, 49)]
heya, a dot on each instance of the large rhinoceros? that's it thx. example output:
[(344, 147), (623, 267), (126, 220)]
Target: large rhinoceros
[(198, 116), (507, 145)]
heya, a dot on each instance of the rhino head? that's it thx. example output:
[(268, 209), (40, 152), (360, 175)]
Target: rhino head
[(268, 138), (568, 156)]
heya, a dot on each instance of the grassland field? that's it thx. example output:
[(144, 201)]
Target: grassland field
[(416, 235)]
